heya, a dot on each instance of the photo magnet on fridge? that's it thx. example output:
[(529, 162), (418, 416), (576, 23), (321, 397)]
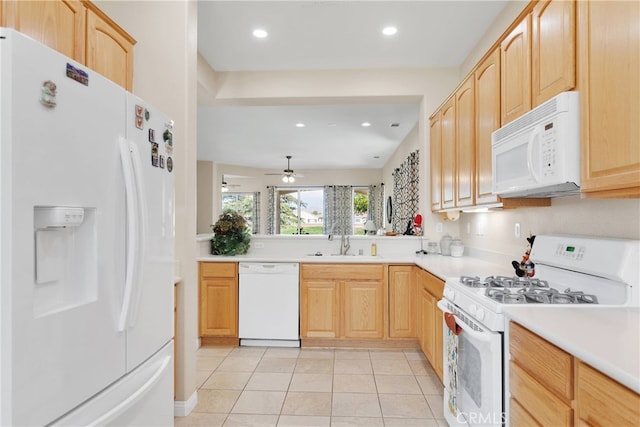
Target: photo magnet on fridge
[(167, 136), (161, 162), (154, 154), (152, 135), (169, 164), (139, 119)]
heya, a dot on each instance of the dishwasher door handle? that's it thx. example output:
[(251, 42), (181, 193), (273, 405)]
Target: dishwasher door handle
[(268, 268)]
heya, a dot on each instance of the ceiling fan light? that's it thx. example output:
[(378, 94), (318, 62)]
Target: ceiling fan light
[(285, 179), (292, 179), (224, 189)]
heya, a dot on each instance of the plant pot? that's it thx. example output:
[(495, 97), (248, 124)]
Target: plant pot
[(230, 244)]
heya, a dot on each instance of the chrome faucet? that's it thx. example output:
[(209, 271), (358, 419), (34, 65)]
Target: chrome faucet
[(344, 244)]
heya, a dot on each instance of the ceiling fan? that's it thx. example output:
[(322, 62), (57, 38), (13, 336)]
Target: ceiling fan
[(288, 175), (225, 187)]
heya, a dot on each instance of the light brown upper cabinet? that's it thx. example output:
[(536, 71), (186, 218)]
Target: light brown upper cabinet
[(109, 49), (609, 70), (487, 87), (448, 139), (77, 29), (553, 67), (465, 144), (435, 151), (57, 24), (515, 75)]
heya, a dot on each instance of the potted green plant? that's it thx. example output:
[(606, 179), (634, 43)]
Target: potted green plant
[(230, 234)]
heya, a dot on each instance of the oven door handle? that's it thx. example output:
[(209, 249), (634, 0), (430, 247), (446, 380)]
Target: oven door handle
[(482, 336)]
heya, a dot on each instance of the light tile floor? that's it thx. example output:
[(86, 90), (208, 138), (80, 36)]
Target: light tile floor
[(258, 386)]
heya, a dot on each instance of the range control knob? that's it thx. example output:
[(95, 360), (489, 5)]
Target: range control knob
[(480, 314), (451, 294)]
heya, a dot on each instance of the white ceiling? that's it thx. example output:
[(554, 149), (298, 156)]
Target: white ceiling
[(316, 35)]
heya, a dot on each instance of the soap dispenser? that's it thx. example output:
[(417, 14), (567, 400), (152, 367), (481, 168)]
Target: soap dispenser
[(374, 249)]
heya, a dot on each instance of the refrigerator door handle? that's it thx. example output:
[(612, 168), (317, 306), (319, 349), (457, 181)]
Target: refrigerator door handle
[(141, 247), (121, 407), (132, 231)]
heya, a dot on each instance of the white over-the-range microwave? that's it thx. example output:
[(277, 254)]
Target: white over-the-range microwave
[(538, 154)]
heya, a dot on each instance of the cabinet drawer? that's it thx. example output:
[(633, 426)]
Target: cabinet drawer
[(603, 401), (545, 362), (548, 409), (342, 271), (519, 416), (431, 284), (218, 269)]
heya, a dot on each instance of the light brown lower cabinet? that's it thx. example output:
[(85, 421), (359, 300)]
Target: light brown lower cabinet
[(550, 387), (402, 301), (430, 332), (603, 401), (218, 299), (342, 301)]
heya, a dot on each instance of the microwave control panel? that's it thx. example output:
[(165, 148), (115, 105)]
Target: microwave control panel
[(548, 141)]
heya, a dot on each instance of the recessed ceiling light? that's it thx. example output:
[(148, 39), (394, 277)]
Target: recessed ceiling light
[(395, 125), (389, 31), (365, 124), (376, 157), (332, 125), (299, 125), (260, 33)]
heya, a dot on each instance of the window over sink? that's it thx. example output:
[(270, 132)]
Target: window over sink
[(303, 210)]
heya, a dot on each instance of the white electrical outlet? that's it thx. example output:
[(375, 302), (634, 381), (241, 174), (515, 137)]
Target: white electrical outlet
[(438, 227), (468, 228), (516, 230), (258, 245)]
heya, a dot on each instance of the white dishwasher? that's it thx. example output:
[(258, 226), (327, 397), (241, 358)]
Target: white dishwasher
[(268, 304)]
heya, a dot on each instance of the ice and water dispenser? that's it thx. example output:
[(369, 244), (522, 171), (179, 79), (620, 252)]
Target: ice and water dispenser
[(65, 258)]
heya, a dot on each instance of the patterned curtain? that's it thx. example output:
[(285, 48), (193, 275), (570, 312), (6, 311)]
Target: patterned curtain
[(271, 210), (256, 212), (406, 192), (338, 209), (376, 205)]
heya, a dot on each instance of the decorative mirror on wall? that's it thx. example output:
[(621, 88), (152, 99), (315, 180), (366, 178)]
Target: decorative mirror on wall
[(389, 209)]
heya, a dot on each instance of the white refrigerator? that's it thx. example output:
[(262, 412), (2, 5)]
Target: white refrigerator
[(86, 246)]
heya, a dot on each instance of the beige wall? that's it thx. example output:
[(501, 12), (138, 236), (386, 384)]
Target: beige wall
[(206, 183), (165, 63), (494, 231), (497, 28)]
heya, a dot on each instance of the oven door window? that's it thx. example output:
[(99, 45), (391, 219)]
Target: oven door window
[(470, 367)]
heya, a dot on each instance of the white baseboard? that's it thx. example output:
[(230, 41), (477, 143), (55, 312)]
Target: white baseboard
[(184, 408)]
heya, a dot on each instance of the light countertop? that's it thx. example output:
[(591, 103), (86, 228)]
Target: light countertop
[(438, 265), (607, 338)]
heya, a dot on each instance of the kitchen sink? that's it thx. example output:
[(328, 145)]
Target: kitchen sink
[(347, 256)]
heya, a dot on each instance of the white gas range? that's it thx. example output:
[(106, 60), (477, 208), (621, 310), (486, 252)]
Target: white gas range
[(577, 270)]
